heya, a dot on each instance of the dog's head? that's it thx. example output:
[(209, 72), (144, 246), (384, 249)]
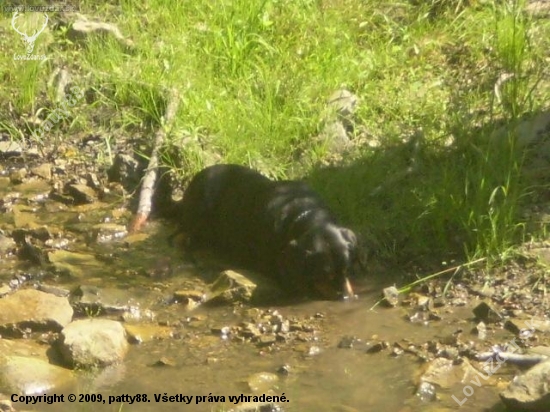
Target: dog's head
[(321, 261)]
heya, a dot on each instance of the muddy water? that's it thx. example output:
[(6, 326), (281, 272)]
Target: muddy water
[(339, 380), (322, 377)]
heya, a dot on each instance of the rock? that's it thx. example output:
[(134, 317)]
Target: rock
[(445, 374), (95, 300), (82, 28), (75, 264), (108, 232), (528, 132), (391, 295), (262, 382), (539, 350), (125, 170), (93, 342), (426, 392), (335, 136), (480, 330), (6, 404), (146, 332), (4, 289), (164, 361), (343, 103), (10, 149), (375, 347), (18, 176), (53, 290), (81, 193), (186, 295), (338, 120), (231, 287), (521, 327), (33, 309), (24, 347), (530, 391), (104, 379), (44, 171), (7, 246), (35, 189), (486, 313), (30, 376), (352, 342)]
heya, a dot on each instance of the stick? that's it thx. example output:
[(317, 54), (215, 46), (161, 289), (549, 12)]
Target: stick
[(150, 178)]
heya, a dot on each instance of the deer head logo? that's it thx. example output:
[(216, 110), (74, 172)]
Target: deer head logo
[(29, 40)]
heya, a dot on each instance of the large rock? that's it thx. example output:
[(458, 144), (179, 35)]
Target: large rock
[(33, 309), (530, 391), (30, 376), (93, 342)]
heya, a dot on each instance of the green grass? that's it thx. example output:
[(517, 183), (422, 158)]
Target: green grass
[(254, 77)]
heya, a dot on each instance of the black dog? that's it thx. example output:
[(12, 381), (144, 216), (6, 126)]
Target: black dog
[(281, 228)]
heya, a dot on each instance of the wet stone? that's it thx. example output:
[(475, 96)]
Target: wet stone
[(81, 193), (57, 243), (7, 245), (108, 232), (33, 309), (87, 298), (186, 295), (266, 340), (284, 370), (522, 326), (31, 376), (391, 295), (6, 404), (44, 171), (93, 342), (426, 392), (147, 332), (164, 361), (445, 374), (376, 347), (18, 176), (24, 347), (231, 287), (529, 391), (352, 342), (4, 289), (35, 189), (262, 382), (480, 330), (486, 313), (75, 264)]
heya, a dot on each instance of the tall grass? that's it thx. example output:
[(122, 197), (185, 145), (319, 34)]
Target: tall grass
[(254, 76)]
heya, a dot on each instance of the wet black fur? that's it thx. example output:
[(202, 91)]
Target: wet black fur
[(280, 228)]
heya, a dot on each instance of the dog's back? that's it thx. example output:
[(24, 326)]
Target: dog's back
[(222, 209), (282, 228)]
